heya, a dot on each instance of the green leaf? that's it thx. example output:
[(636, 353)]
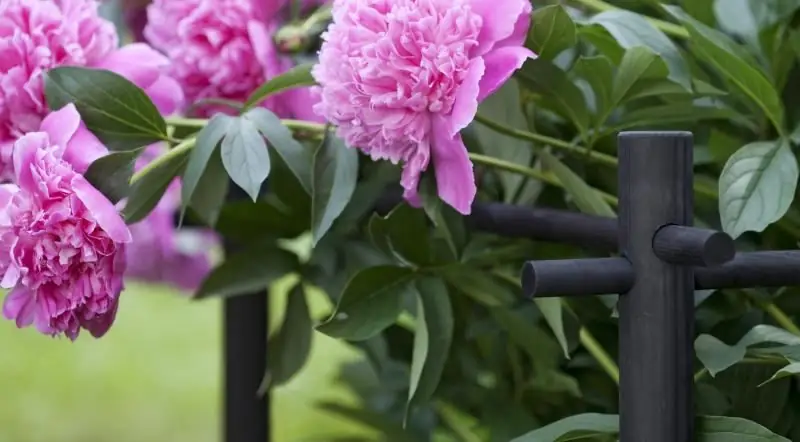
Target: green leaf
[(480, 286), (298, 76), (575, 428), (558, 92), (290, 346), (599, 72), (718, 50), (756, 186), (115, 110), (639, 63), (145, 193), (504, 105), (333, 181), (792, 369), (449, 223), (432, 339), (391, 234), (248, 271), (586, 198), (111, 174), (245, 220), (371, 301), (551, 31), (245, 156), (717, 356), (552, 312), (677, 112), (733, 429), (297, 158), (206, 145), (633, 30), (211, 191)]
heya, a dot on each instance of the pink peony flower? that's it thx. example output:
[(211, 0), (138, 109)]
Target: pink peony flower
[(401, 78), (224, 49), (62, 243), (36, 35), (160, 252)]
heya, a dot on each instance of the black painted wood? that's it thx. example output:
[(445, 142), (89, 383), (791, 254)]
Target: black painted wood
[(684, 245), (576, 277), (656, 316), (753, 269)]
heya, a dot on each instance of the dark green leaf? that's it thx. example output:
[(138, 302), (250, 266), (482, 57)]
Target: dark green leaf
[(210, 193), (248, 271), (297, 158), (206, 145), (504, 106), (638, 64), (119, 113), (111, 174), (678, 112), (552, 311), (146, 192), (432, 339), (551, 31), (717, 356), (633, 30), (245, 220), (290, 346), (586, 198), (721, 52), (392, 234), (757, 186), (792, 369), (558, 91), (733, 429), (370, 302), (298, 76), (480, 286), (334, 177), (574, 428), (245, 157), (599, 72)]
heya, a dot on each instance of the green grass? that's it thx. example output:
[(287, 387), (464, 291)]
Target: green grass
[(155, 377)]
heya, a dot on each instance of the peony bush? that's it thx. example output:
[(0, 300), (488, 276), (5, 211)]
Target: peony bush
[(344, 145)]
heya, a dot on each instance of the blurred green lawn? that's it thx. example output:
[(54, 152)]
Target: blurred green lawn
[(155, 377)]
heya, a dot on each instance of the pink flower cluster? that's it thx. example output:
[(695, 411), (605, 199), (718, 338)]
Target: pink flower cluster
[(401, 78), (37, 35), (62, 241), (224, 49)]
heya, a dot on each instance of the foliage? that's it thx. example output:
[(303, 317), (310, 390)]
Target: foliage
[(434, 306)]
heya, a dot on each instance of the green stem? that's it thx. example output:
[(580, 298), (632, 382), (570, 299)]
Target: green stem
[(599, 353), (780, 317), (667, 27), (181, 148), (602, 158), (531, 173), (747, 361), (293, 125)]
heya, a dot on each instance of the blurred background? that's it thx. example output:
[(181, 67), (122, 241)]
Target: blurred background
[(155, 377)]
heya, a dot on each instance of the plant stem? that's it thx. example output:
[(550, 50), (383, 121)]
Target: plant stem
[(780, 317), (182, 147), (294, 125), (600, 157), (747, 361), (599, 353), (532, 173), (665, 26)]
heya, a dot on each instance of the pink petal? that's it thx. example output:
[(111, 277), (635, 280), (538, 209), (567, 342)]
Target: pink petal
[(24, 153), (520, 33), (466, 101), (500, 64), (7, 192), (454, 177), (83, 149), (137, 62), (102, 210), (166, 94), (500, 20), (100, 324), (412, 172), (20, 305), (61, 125)]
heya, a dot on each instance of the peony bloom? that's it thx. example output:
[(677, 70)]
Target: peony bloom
[(401, 78), (37, 35), (224, 49), (160, 252), (62, 243)]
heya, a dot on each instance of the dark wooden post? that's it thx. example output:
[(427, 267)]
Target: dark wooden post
[(656, 315), (246, 415)]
